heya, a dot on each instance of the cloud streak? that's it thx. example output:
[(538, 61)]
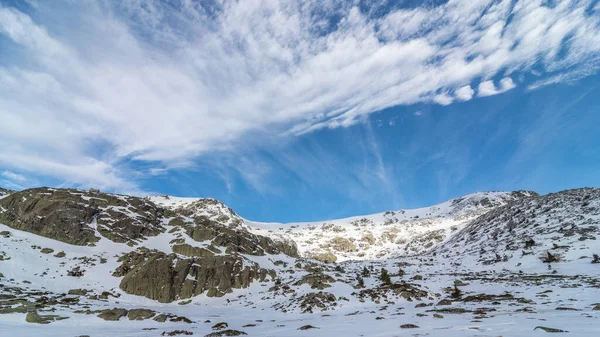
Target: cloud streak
[(167, 83)]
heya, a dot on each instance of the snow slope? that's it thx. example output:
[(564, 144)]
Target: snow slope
[(388, 234)]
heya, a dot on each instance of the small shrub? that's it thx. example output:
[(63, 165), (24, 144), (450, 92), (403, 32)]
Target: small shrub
[(456, 293), (551, 258), (529, 243)]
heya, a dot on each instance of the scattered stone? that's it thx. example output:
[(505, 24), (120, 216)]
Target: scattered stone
[(76, 272), (228, 332), (60, 255), (307, 327), (177, 333), (316, 281), (47, 251), (445, 302), (34, 317), (172, 318), (140, 314), (114, 314), (79, 292), (220, 326), (566, 309), (409, 326), (451, 310), (549, 329)]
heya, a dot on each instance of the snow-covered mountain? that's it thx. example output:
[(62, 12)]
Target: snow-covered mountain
[(389, 234), (487, 264)]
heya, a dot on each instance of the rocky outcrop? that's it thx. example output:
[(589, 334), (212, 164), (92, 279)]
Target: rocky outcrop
[(70, 215), (326, 257), (191, 251), (167, 278), (316, 281), (237, 239)]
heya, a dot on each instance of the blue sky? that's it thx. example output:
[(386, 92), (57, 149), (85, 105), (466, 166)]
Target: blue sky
[(301, 110)]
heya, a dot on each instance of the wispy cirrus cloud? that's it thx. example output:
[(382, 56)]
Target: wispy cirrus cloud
[(87, 88)]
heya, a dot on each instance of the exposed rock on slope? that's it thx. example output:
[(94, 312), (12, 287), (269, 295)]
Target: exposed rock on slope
[(70, 215), (167, 278), (236, 239)]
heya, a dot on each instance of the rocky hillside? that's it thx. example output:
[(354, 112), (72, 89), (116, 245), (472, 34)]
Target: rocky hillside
[(166, 253), (557, 227), (510, 262)]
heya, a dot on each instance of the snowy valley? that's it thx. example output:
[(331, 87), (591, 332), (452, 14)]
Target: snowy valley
[(87, 263)]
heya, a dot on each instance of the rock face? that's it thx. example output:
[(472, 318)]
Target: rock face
[(167, 278), (69, 215)]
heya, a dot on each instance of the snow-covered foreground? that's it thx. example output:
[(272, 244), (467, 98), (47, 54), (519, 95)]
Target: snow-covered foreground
[(473, 266), (534, 301)]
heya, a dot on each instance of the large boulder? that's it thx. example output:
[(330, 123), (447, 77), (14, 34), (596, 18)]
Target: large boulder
[(167, 278)]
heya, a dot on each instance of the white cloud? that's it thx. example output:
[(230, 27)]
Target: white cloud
[(464, 93), (165, 83), (488, 88), (443, 99), (14, 176)]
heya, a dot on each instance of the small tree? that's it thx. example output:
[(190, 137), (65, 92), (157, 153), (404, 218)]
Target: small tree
[(596, 259), (360, 280), (401, 272), (366, 272), (385, 277)]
